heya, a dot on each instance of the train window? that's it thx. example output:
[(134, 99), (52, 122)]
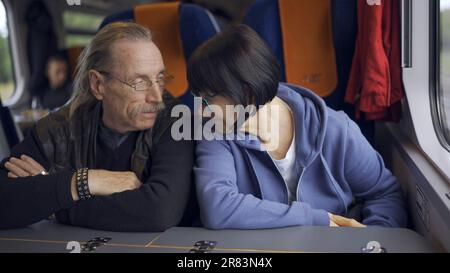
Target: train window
[(7, 83), (80, 27), (444, 68)]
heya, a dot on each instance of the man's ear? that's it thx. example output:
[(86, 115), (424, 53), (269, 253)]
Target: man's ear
[(97, 84)]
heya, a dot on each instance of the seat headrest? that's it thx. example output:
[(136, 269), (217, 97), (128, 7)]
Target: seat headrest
[(163, 20), (72, 56), (307, 36)]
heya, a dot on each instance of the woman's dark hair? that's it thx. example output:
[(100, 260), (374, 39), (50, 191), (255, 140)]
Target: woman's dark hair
[(236, 64)]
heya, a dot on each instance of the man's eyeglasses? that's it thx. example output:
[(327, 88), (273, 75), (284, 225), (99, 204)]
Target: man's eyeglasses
[(143, 85)]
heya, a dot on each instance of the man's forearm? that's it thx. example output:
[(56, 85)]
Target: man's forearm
[(24, 201), (149, 208)]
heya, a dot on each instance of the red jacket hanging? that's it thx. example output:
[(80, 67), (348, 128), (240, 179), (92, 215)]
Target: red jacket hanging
[(375, 85)]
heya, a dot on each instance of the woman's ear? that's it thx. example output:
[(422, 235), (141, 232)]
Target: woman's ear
[(96, 83)]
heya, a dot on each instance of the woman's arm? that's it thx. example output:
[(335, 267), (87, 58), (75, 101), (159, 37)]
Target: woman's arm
[(223, 206), (372, 182)]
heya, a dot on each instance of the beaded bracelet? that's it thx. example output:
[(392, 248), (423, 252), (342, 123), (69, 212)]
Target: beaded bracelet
[(82, 184)]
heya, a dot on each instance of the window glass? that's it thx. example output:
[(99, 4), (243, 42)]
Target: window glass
[(80, 27), (7, 83)]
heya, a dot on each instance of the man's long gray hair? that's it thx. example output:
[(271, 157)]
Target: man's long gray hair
[(97, 55)]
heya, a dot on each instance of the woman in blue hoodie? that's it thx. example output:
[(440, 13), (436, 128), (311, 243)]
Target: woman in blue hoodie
[(308, 169)]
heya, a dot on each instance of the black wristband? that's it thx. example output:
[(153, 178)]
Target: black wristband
[(82, 184)]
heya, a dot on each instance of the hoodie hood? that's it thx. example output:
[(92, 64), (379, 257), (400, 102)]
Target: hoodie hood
[(310, 117)]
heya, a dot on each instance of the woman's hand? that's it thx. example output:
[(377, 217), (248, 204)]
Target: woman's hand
[(339, 221), (332, 223)]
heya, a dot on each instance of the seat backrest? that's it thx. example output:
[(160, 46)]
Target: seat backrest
[(263, 16), (300, 34), (163, 20), (178, 29), (72, 57)]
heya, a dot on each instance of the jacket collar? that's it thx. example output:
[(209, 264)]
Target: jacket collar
[(70, 142)]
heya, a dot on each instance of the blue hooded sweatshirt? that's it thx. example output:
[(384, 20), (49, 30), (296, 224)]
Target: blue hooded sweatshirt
[(239, 186)]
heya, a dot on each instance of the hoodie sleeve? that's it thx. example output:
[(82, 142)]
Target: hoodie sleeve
[(372, 182), (222, 206)]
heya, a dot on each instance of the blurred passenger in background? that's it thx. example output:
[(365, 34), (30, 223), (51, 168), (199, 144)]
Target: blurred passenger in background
[(59, 86)]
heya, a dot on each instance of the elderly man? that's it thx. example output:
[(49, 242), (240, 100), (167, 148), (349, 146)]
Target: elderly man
[(107, 160)]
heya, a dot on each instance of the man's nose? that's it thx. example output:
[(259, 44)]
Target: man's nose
[(154, 94)]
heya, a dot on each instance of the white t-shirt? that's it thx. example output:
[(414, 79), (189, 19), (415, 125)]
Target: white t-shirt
[(290, 174)]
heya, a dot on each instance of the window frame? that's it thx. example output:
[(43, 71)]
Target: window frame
[(419, 81), (11, 53), (18, 55), (79, 31), (435, 68)]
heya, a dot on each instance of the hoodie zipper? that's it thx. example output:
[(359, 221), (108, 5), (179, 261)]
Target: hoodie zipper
[(286, 190), (297, 194)]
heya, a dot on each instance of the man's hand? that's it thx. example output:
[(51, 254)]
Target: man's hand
[(103, 182), (23, 167), (336, 220), (100, 182)]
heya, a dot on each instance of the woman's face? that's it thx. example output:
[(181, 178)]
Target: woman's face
[(222, 110)]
